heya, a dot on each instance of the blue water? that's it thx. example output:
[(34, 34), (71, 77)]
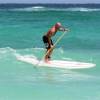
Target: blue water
[(21, 30)]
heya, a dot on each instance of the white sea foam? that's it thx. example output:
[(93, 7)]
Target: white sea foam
[(83, 9), (29, 9), (42, 8)]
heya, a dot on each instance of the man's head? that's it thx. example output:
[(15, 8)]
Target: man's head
[(58, 25)]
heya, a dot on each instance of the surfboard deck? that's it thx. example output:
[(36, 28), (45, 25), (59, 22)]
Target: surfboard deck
[(56, 63)]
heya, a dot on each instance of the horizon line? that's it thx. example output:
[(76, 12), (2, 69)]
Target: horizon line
[(49, 3)]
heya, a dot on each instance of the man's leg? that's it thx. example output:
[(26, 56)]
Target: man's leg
[(48, 54)]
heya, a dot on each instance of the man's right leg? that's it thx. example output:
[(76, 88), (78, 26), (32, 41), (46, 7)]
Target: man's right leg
[(48, 54)]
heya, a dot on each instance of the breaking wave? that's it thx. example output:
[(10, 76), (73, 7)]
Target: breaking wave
[(35, 8), (43, 8)]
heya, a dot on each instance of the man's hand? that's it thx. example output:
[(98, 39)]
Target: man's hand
[(52, 46), (66, 29), (63, 29)]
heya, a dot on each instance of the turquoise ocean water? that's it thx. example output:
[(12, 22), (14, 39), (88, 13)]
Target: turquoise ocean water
[(21, 30)]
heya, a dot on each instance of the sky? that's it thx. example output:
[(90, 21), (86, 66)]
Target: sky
[(49, 1)]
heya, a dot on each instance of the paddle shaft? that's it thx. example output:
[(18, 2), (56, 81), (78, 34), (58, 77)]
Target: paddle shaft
[(52, 47), (55, 43)]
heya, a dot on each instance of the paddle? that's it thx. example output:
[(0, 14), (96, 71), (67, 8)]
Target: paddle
[(55, 43)]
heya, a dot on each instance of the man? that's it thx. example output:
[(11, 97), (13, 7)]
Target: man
[(48, 41)]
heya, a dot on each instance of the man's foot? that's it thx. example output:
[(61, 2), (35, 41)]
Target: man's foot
[(47, 60)]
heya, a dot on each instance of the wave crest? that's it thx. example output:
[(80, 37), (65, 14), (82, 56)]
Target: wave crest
[(35, 8), (42, 8), (83, 9)]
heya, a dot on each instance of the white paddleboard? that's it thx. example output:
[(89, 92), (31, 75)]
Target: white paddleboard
[(56, 63)]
